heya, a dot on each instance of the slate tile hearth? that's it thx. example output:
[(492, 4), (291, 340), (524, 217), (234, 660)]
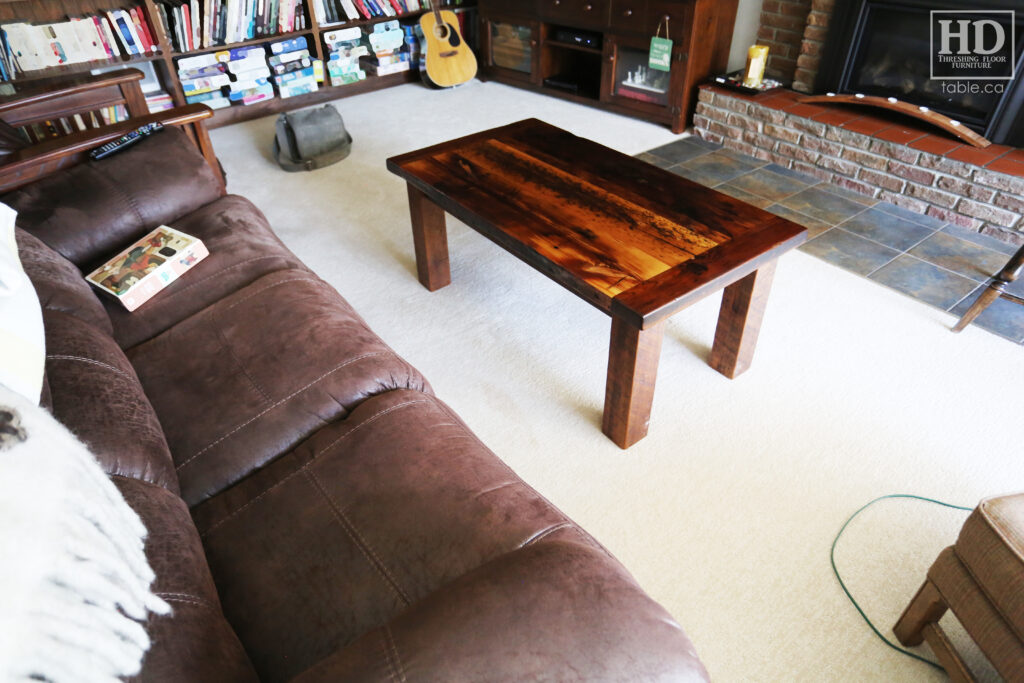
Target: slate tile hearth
[(743, 195), (677, 154), (720, 166), (849, 251), (768, 184), (924, 281), (814, 226), (922, 219), (888, 229), (952, 253), (983, 241), (824, 205), (940, 264)]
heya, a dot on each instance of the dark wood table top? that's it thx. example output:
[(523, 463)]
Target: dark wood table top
[(634, 240)]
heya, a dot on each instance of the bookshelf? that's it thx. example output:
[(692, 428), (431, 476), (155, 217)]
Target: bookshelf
[(164, 59)]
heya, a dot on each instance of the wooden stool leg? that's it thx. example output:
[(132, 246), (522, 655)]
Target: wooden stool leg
[(739, 321), (629, 392), (947, 655), (430, 239), (927, 607), (920, 622)]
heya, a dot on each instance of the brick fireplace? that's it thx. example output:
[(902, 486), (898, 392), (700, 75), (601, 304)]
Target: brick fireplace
[(795, 31), (876, 153)]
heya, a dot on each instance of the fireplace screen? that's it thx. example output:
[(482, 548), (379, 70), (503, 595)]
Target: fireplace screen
[(884, 48), (893, 60)]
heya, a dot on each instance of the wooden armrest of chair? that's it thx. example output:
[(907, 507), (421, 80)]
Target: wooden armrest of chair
[(44, 158), (67, 95)]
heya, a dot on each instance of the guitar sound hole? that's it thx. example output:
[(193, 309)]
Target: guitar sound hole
[(447, 32)]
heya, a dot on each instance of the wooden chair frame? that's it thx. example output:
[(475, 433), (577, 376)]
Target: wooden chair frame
[(996, 288), (57, 98)]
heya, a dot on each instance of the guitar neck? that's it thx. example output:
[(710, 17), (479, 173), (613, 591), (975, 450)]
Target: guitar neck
[(435, 5)]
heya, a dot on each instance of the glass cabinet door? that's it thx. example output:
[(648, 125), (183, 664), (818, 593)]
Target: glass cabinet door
[(635, 80), (511, 46)]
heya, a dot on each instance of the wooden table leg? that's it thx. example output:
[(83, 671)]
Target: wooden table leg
[(629, 392), (739, 321), (430, 239)]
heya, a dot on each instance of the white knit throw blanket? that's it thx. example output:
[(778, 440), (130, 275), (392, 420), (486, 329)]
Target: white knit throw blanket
[(74, 581)]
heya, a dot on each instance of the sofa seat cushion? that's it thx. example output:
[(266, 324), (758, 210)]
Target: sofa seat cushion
[(90, 211), (251, 376), (404, 501), (242, 248), (59, 283), (194, 642), (94, 392), (991, 546), (557, 610)]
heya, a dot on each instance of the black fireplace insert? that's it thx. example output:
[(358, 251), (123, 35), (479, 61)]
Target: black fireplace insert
[(961, 59)]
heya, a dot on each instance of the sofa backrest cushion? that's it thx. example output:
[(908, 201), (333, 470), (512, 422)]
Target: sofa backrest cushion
[(95, 393), (91, 211), (59, 283), (242, 249)]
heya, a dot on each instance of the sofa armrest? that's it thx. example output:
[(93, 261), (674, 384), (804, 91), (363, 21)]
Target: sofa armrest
[(42, 159), (68, 95)]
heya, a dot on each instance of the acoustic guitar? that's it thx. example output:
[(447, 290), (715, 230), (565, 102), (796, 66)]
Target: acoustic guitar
[(449, 60)]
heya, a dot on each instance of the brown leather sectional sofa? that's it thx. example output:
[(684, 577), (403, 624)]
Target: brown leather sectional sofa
[(315, 513)]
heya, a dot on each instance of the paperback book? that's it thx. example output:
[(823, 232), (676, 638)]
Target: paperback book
[(135, 275)]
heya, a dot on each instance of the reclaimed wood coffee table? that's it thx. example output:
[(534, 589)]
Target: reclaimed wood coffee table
[(638, 242)]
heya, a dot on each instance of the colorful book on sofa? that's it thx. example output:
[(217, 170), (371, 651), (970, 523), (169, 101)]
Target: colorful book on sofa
[(135, 275)]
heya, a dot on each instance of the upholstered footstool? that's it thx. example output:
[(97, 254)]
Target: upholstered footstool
[(980, 578)]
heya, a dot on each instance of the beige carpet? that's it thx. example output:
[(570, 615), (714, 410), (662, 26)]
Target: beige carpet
[(726, 511)]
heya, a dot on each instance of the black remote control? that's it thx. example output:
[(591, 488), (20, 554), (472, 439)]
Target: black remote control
[(126, 140)]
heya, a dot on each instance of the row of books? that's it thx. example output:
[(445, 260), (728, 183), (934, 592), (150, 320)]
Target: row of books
[(243, 76), (248, 75), (201, 24), (296, 72), (59, 127), (114, 33), (387, 45), (159, 101), (345, 47), (386, 48), (340, 11), (337, 11)]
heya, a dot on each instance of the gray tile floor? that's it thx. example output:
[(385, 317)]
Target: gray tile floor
[(937, 263)]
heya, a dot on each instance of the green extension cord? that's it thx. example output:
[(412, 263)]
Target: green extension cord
[(842, 584)]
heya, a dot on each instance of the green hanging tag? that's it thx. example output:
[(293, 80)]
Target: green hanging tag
[(661, 54)]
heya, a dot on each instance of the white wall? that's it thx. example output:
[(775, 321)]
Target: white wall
[(748, 18)]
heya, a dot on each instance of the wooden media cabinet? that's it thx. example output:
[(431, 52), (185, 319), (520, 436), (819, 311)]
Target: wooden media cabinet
[(596, 51)]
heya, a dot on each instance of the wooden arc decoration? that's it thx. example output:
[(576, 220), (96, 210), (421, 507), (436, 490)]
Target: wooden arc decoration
[(925, 114)]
